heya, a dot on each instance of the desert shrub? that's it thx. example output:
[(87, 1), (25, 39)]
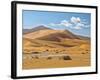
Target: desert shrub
[(36, 57), (35, 52), (87, 50), (47, 50), (83, 53), (49, 58), (66, 58), (57, 52)]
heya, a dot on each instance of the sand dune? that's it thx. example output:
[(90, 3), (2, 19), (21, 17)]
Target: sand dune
[(51, 34), (54, 42)]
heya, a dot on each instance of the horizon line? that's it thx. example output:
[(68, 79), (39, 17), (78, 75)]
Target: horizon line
[(58, 29)]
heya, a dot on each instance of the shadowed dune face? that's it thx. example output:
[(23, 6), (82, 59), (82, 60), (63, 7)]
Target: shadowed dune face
[(51, 34), (55, 45), (57, 37)]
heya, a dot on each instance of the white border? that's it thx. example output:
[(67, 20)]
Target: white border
[(33, 72)]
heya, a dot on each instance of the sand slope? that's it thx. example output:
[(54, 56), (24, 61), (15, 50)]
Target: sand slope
[(49, 42)]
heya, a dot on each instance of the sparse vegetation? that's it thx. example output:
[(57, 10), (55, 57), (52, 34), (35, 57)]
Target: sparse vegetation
[(36, 57), (47, 50), (35, 52), (66, 58), (57, 52), (49, 58), (83, 53)]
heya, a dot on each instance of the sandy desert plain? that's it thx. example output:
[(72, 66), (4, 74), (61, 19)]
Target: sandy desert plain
[(48, 48)]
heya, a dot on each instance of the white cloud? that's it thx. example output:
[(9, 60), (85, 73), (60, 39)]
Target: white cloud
[(62, 23), (75, 20), (65, 23), (80, 24), (78, 19), (73, 23), (77, 27)]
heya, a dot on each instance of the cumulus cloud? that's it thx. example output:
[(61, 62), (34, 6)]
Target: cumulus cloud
[(73, 23), (77, 26), (75, 20), (65, 23), (62, 23)]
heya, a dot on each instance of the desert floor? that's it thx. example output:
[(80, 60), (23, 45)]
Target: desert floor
[(52, 55)]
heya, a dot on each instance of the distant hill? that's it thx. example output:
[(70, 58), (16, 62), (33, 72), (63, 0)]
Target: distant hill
[(41, 27), (83, 37)]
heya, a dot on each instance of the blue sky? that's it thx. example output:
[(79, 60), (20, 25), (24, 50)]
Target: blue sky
[(78, 23)]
